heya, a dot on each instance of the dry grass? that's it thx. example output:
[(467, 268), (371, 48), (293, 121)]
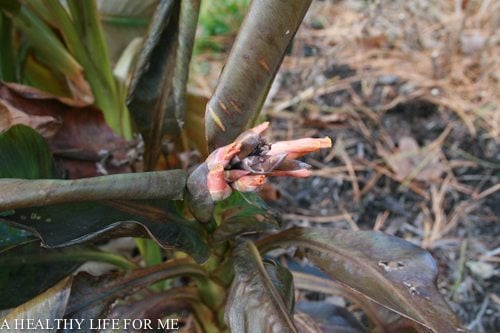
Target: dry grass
[(449, 51), (446, 53)]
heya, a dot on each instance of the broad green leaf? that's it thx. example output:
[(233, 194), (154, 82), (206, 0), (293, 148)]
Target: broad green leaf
[(387, 269), (25, 155), (25, 273), (83, 38), (91, 296), (48, 307), (242, 213), (250, 68), (11, 236), (188, 21), (28, 156), (70, 224), (259, 300), (21, 193)]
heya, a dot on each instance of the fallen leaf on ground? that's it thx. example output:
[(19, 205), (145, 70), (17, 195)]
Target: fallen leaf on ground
[(410, 160)]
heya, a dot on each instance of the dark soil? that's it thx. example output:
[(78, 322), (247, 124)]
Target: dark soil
[(477, 229)]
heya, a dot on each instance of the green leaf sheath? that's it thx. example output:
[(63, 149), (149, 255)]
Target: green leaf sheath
[(151, 84), (21, 193), (251, 67), (92, 52), (188, 21), (24, 154), (255, 303), (386, 269)]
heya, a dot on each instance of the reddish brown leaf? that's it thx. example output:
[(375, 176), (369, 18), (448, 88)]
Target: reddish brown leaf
[(83, 137), (47, 126), (33, 93)]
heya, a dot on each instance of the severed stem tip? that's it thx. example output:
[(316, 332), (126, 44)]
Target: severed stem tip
[(244, 165), (300, 147)]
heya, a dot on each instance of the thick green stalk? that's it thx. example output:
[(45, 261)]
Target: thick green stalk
[(151, 254), (121, 73), (21, 193), (188, 22), (37, 75), (250, 68)]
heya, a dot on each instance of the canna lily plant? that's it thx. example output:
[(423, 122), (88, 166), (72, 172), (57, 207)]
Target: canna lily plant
[(206, 239)]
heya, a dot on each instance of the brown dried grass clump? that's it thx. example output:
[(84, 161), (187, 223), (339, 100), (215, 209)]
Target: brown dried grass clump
[(449, 51)]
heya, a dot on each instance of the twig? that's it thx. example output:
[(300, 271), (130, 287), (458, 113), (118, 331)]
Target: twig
[(480, 313), (350, 220), (487, 192), (370, 183), (412, 186), (381, 219), (339, 147)]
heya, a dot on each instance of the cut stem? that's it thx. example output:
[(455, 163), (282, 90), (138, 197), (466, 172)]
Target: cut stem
[(21, 193)]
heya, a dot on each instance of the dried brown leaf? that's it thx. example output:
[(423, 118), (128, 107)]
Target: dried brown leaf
[(410, 160), (47, 126)]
